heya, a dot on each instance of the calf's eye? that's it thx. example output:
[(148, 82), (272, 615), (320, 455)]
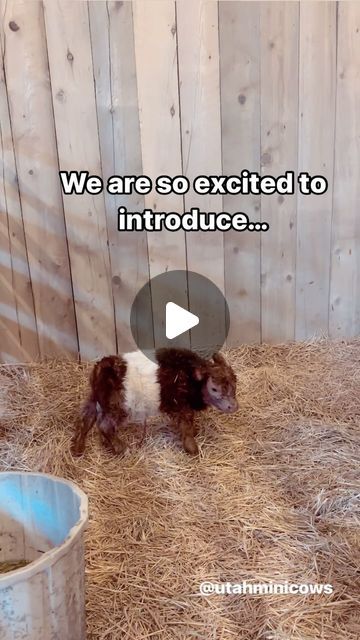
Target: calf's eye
[(213, 389)]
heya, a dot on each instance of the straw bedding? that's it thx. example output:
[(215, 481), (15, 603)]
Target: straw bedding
[(274, 496)]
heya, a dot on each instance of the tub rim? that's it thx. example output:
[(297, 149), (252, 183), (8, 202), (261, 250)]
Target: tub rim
[(49, 558)]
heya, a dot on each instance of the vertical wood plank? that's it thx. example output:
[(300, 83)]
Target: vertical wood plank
[(317, 91), (240, 110), (72, 83), (344, 312), (19, 340), (112, 40), (27, 78), (279, 125), (199, 85), (198, 51), (158, 95)]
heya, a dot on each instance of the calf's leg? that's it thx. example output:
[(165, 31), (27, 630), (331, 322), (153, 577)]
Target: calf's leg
[(108, 427), (187, 426), (83, 424), (143, 434)]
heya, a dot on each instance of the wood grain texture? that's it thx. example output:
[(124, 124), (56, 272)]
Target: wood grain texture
[(279, 139), (112, 39), (199, 84), (158, 95), (157, 78), (72, 83), (159, 87), (29, 96), (240, 110), (344, 317), (19, 340), (317, 92), (198, 51)]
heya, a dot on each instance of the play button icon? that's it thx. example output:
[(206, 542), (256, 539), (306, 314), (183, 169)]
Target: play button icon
[(181, 309), (178, 320)]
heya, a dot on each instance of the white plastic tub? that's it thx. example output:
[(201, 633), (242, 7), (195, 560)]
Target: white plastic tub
[(42, 521)]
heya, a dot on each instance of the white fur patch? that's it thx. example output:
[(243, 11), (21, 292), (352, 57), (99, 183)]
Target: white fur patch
[(142, 390)]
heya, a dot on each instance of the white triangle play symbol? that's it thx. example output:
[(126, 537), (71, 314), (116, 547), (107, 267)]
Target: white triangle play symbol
[(178, 320)]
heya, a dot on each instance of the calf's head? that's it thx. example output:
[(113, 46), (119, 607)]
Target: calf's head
[(219, 384)]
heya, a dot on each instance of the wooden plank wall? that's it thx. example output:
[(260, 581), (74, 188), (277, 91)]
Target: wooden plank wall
[(163, 87)]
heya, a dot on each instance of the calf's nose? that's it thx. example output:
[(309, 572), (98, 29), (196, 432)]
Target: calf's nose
[(233, 406)]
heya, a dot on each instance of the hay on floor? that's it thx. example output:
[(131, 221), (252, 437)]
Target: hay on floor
[(274, 496)]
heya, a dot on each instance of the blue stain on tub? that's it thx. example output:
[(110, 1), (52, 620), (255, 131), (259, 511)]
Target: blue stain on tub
[(22, 503)]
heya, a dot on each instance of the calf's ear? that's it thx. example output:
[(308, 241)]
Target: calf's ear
[(199, 373), (218, 358)]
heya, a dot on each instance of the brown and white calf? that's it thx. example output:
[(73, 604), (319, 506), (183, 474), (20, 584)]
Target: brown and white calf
[(132, 388)]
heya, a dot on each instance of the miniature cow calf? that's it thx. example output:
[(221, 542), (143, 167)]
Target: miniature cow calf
[(132, 388)]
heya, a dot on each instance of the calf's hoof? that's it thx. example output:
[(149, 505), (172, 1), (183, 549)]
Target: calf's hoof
[(118, 447), (77, 448), (190, 446)]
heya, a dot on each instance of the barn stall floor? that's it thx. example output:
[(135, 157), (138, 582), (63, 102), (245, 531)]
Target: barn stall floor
[(273, 497)]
